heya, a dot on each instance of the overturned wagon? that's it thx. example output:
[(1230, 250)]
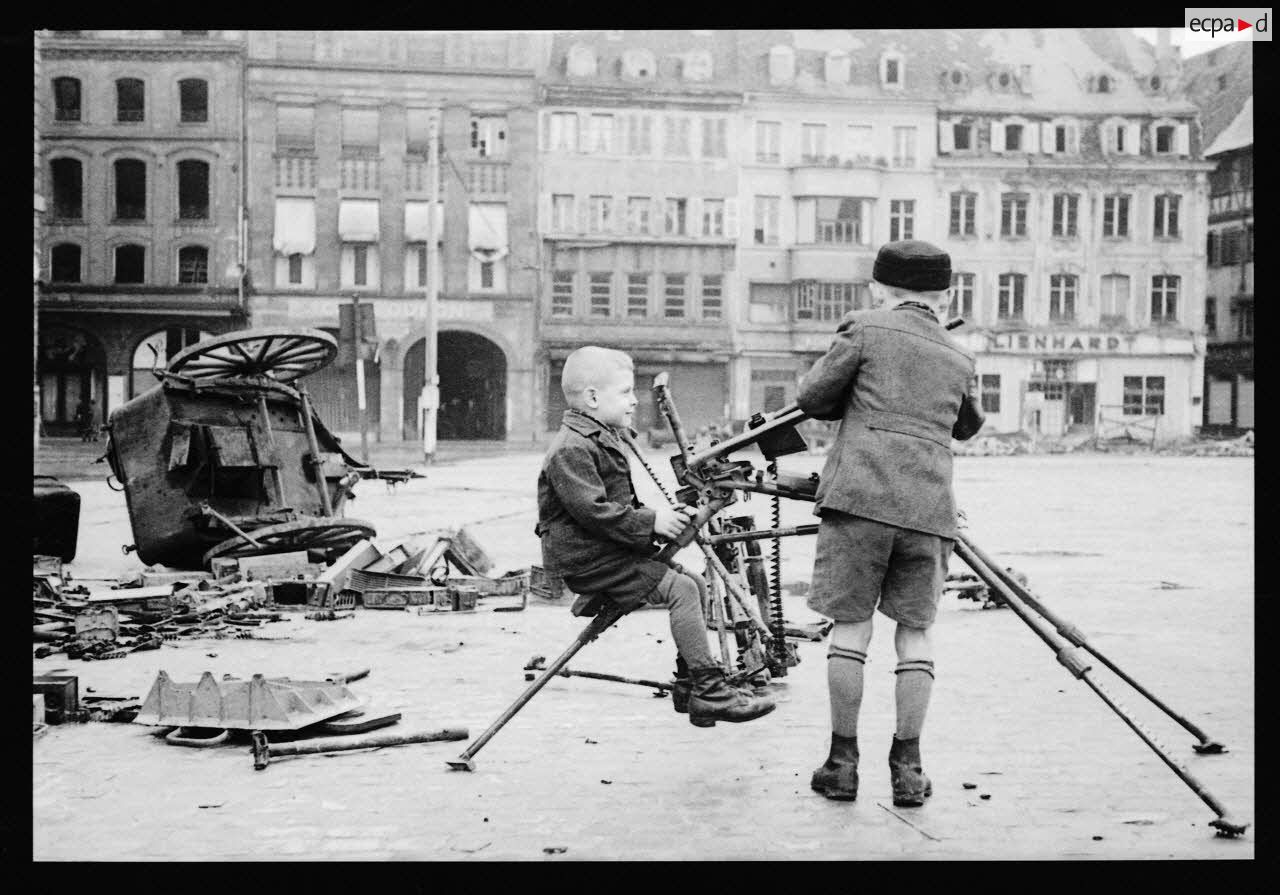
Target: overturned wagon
[(226, 457)]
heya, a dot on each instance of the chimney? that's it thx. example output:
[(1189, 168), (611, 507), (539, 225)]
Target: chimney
[(1166, 60)]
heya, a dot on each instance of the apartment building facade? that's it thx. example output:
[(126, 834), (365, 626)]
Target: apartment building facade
[(1220, 82), (140, 155), (639, 212), (1073, 201), (836, 159), (339, 130)]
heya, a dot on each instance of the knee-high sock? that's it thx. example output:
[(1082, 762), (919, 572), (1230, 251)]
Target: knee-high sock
[(912, 689), (844, 685)]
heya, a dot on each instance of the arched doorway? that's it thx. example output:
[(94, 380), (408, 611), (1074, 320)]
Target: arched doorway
[(473, 387), (72, 370)]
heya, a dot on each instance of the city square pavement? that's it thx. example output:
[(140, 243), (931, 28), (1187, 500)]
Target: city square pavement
[(1151, 556)]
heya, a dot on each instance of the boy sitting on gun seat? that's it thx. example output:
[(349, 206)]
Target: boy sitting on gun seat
[(599, 538)]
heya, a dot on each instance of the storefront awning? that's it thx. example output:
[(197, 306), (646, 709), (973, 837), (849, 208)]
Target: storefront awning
[(415, 221), (295, 227), (487, 231), (358, 220)]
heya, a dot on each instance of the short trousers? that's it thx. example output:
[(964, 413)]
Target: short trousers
[(862, 565)]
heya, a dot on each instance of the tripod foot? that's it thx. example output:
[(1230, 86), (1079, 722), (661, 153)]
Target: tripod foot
[(1209, 747), (461, 764), (1228, 828)]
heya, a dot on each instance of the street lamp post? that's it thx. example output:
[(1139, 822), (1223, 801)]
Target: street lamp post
[(429, 401)]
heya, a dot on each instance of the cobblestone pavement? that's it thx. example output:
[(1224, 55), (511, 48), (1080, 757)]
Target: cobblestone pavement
[(1151, 556)]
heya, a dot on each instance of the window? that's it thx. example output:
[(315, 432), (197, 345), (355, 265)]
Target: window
[(68, 189), (768, 141), (1012, 288), (600, 287), (1210, 316), (417, 135), (640, 135), (131, 190), (295, 127), (130, 264), (813, 143), (837, 220), (1118, 137), (486, 274), (673, 303), (962, 295), (193, 190), (766, 220), (675, 131), (827, 301), (562, 216), (1143, 396), (65, 263), (715, 138), (964, 207), (638, 210), (193, 264), (859, 141), (1164, 138), (1013, 214), (1242, 317), (489, 136), (1222, 82), (1115, 299), (990, 392), (1230, 245), (1066, 139), (1115, 215), (713, 217), (1164, 299), (600, 209), (359, 265), (193, 100), (600, 134), (130, 95), (66, 99), (1012, 137), (562, 131), (639, 64), (1104, 84), (562, 293), (359, 129), (295, 268), (892, 71), (962, 136), (1166, 223), (361, 259), (674, 224), (637, 294), (1066, 208), (195, 33), (1062, 297), (904, 147), (1211, 248), (712, 296), (902, 215)]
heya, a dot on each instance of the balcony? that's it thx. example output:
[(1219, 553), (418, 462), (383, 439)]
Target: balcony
[(358, 174), (1236, 202), (487, 180), (415, 176), (838, 177), (295, 172)]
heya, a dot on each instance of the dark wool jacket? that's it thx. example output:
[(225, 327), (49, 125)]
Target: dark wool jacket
[(901, 389), (595, 533)]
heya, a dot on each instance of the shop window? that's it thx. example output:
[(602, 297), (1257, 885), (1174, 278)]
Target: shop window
[(130, 100), (68, 188), (66, 99), (1143, 396), (193, 98), (193, 190)]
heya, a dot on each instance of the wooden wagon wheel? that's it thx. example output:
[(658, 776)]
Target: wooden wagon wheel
[(278, 352), (302, 534)]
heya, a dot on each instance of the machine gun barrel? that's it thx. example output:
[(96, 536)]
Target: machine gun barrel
[(788, 416)]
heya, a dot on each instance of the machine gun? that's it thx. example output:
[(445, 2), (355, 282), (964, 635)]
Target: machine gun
[(710, 479)]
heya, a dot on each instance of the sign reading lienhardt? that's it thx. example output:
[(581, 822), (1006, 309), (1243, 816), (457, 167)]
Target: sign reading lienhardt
[(1084, 343)]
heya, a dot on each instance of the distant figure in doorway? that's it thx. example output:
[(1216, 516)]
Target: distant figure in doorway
[(86, 420)]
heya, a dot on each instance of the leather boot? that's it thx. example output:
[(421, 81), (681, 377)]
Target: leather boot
[(910, 785), (838, 777), (680, 687), (712, 699)]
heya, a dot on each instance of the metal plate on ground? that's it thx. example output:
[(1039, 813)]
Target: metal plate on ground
[(255, 704)]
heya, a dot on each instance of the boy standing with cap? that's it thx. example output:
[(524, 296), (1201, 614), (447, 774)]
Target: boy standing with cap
[(902, 390)]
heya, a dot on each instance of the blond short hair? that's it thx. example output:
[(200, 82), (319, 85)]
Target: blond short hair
[(591, 366)]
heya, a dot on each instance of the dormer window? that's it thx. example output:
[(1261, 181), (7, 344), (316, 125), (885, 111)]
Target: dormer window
[(1104, 84), (891, 70), (955, 79), (1013, 137), (697, 66), (581, 62), (837, 67), (639, 65), (1003, 79), (782, 65), (1155, 82)]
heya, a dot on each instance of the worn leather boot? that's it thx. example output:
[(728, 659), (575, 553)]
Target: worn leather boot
[(680, 687), (838, 777), (712, 699), (910, 785)]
